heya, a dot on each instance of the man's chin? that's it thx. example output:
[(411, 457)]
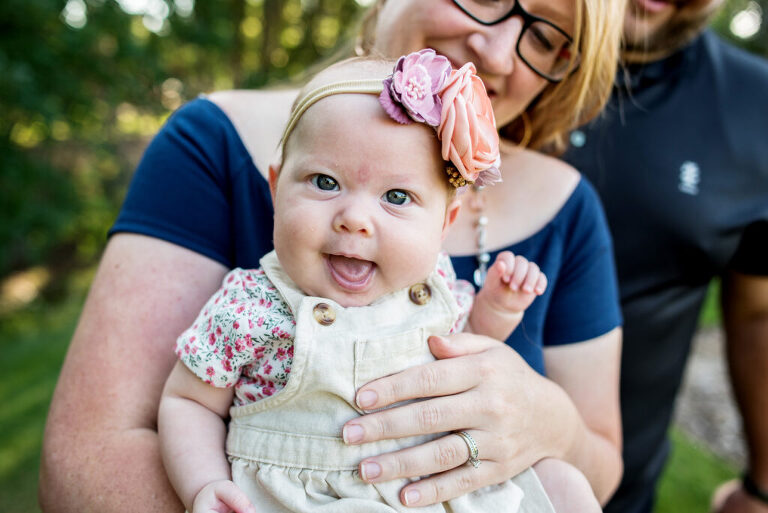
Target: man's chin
[(643, 39)]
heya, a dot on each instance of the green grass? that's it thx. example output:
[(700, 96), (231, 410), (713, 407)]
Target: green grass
[(710, 310), (33, 343), (692, 473)]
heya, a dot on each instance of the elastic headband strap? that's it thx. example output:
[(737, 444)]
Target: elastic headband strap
[(362, 86)]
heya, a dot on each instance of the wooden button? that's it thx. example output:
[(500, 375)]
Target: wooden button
[(324, 314), (420, 293)]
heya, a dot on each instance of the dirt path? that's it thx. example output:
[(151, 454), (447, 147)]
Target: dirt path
[(705, 407)]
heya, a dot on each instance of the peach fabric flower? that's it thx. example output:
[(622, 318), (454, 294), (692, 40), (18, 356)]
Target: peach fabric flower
[(467, 127)]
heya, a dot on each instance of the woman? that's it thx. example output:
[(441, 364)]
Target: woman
[(162, 263)]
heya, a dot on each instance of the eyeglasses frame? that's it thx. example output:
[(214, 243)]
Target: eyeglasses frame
[(528, 20)]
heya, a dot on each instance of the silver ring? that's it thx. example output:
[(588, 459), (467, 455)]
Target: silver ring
[(472, 446)]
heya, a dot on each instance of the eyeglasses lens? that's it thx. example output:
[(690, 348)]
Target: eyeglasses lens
[(546, 50), (488, 11), (543, 46)]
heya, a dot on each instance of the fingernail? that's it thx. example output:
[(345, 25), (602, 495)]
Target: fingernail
[(412, 497), (528, 288), (367, 398), (438, 338), (370, 470), (352, 433)]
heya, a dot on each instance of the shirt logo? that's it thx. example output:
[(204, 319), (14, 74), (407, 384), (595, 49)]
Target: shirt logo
[(690, 176)]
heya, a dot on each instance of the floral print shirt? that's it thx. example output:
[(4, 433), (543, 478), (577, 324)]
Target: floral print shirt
[(243, 337)]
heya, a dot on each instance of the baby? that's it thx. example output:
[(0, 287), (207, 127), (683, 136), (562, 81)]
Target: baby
[(363, 197)]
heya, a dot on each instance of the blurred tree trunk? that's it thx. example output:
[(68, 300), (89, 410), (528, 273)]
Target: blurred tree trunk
[(273, 22), (236, 58)]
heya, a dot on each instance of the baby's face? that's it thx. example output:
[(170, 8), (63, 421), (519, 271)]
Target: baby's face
[(360, 202)]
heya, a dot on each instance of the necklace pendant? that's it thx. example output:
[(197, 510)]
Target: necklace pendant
[(479, 277)]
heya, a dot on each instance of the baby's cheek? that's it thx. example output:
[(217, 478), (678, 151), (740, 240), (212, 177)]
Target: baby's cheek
[(415, 254)]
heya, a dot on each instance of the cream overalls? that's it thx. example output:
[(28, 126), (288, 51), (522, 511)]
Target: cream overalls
[(286, 450)]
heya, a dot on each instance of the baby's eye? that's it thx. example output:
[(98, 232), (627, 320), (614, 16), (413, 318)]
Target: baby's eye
[(325, 183), (397, 197)]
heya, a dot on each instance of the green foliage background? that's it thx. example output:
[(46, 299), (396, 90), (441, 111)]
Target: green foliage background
[(79, 104)]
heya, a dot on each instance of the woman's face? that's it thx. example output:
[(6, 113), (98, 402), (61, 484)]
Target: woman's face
[(408, 25)]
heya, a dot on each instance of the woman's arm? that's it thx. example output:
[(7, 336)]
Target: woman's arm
[(516, 416), (101, 449), (589, 373)]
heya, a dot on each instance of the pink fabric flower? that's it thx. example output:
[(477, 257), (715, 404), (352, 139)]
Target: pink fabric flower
[(467, 127), (413, 89)]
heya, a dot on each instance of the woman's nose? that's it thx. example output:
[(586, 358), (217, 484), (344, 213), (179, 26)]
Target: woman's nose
[(495, 45), (353, 218)]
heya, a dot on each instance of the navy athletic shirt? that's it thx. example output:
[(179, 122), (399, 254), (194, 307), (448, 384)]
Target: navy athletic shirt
[(197, 187), (681, 165)]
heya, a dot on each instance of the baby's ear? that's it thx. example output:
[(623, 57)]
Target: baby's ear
[(451, 212), (274, 172)]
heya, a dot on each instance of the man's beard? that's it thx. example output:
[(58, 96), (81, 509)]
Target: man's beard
[(684, 25)]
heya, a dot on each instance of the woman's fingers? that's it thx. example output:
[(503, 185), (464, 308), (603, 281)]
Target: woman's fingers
[(451, 484), (445, 453), (491, 392), (461, 344), (447, 458), (432, 416), (439, 378)]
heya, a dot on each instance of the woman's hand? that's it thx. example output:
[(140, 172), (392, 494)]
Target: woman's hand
[(478, 385)]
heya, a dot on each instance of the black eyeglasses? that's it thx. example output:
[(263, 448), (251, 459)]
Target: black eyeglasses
[(543, 46)]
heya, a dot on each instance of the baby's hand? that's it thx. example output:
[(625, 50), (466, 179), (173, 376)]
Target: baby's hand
[(222, 497), (512, 283)]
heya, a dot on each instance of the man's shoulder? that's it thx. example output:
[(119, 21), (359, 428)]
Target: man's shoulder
[(733, 63)]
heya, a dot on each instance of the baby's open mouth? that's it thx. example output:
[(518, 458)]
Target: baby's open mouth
[(351, 273)]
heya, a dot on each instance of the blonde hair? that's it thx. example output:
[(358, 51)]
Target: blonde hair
[(578, 98)]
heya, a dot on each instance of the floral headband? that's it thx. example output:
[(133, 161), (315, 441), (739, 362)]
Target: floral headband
[(423, 88)]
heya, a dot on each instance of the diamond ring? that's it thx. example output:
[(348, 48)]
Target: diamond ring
[(472, 446)]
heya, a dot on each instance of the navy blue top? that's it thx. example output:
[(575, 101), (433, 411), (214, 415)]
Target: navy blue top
[(680, 161), (198, 187)]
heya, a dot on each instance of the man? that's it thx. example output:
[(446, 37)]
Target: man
[(680, 160)]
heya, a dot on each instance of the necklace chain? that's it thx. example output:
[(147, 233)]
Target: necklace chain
[(477, 204)]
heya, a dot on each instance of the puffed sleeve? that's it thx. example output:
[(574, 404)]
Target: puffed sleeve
[(463, 291), (242, 318)]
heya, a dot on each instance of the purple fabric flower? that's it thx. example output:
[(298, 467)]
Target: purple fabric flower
[(488, 176), (412, 90), (391, 106)]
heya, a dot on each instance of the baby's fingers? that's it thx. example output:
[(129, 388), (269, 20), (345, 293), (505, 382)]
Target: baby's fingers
[(501, 270), (519, 273), (222, 497), (541, 284), (504, 265), (531, 282), (235, 498)]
